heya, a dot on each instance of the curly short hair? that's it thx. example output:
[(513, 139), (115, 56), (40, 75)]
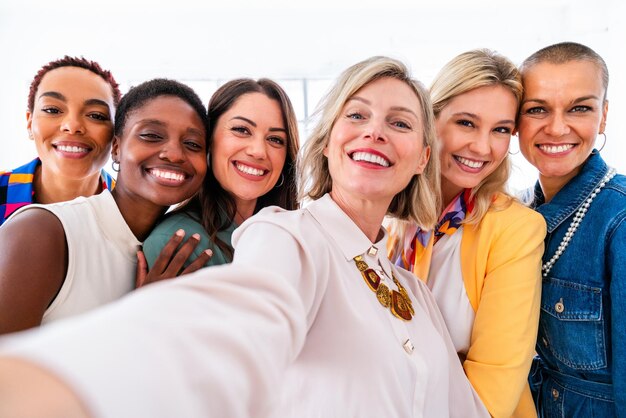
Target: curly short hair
[(79, 62), (138, 95)]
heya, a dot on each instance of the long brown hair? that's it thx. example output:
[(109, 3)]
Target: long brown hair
[(215, 206)]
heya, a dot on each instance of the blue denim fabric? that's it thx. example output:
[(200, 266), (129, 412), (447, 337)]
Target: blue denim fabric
[(581, 369)]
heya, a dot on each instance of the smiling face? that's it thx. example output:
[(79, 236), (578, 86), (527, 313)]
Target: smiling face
[(162, 152), (377, 144), (474, 130), (249, 149), (562, 112), (71, 122)]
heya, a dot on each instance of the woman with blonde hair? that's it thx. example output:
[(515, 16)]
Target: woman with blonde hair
[(311, 318), (482, 260)]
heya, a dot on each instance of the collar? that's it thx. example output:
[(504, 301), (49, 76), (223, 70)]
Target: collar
[(344, 232), (573, 194)]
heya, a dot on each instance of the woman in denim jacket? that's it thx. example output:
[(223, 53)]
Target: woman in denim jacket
[(581, 368)]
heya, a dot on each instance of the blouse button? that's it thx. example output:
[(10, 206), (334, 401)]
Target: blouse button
[(408, 346), (559, 306), (555, 394)]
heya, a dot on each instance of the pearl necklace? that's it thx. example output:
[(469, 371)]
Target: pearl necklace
[(573, 226)]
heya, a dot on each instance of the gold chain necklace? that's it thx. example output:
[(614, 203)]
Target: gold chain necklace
[(397, 301)]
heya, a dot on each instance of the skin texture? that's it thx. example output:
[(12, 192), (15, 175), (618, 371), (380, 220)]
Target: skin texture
[(164, 134), (474, 128), (563, 106), (250, 135), (73, 111), (381, 119)]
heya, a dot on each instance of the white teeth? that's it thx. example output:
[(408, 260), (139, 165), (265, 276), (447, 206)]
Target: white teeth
[(555, 149), (370, 158), (168, 175), (249, 170), (71, 148), (470, 163)]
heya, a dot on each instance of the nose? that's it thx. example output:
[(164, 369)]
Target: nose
[(480, 145), (557, 126), (257, 148), (172, 151), (375, 130), (72, 123)]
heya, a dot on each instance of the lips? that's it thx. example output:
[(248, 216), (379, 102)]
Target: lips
[(555, 149), (370, 157), (474, 164)]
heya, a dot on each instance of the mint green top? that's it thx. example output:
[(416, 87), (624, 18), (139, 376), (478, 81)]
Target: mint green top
[(161, 234)]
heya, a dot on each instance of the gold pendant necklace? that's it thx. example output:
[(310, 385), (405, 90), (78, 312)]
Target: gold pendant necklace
[(397, 301)]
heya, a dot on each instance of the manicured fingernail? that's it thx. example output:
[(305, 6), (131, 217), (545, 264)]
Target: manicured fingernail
[(208, 252), (196, 236), (180, 233)]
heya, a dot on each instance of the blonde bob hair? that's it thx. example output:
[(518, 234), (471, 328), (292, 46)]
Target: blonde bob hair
[(418, 202), (468, 71)]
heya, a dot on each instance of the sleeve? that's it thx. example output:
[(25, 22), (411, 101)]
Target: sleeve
[(616, 263), (505, 328), (213, 345)]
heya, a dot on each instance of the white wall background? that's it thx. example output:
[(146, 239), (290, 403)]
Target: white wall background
[(204, 43)]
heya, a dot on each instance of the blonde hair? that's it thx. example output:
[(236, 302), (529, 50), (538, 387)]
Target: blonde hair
[(468, 71), (418, 202)]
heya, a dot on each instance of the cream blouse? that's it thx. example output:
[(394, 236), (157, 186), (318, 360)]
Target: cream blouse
[(290, 329)]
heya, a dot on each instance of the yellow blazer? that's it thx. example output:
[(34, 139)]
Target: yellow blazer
[(501, 267)]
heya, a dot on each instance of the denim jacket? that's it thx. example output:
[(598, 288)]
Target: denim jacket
[(581, 369)]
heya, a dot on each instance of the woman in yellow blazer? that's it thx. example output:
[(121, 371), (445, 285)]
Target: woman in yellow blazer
[(483, 259)]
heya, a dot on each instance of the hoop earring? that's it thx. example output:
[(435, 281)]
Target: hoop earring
[(513, 153), (282, 181), (115, 165), (603, 143)]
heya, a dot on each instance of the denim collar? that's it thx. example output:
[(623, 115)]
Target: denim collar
[(573, 194)]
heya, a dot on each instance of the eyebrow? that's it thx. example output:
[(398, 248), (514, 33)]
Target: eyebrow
[(163, 124), (59, 96), (474, 116), (396, 108), (255, 125), (578, 100)]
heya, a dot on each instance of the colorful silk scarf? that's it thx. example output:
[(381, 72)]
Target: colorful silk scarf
[(417, 251)]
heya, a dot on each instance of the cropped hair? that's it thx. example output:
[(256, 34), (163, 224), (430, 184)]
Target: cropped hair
[(138, 95), (464, 73), (215, 206), (565, 52), (79, 62), (419, 201)]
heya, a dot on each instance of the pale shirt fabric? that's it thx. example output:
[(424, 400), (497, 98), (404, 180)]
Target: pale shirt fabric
[(101, 254), (289, 329), (445, 280)]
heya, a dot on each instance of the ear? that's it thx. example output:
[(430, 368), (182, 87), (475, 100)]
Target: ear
[(115, 149), (29, 123), (605, 111), (325, 152), (423, 160)]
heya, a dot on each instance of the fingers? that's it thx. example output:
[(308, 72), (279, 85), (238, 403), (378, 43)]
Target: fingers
[(199, 262), (142, 269), (163, 260), (182, 255)]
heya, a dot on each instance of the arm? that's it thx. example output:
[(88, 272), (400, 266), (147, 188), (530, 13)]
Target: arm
[(506, 323), (33, 265), (616, 264), (228, 333)]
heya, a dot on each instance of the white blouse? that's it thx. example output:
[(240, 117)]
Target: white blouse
[(445, 280), (290, 329)]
